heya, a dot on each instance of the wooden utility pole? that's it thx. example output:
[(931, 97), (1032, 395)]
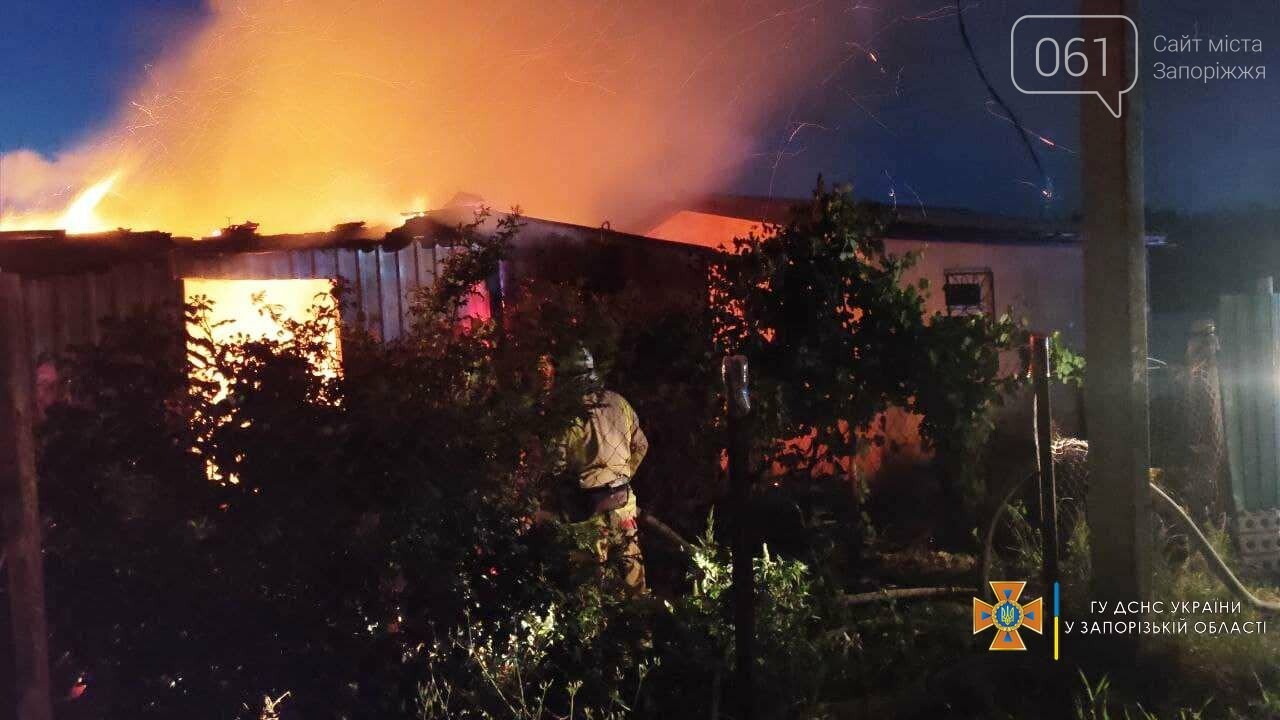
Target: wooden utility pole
[(738, 400), (1115, 262), (1041, 375), (19, 509)]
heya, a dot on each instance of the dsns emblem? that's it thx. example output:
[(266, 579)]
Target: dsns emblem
[(1008, 616)]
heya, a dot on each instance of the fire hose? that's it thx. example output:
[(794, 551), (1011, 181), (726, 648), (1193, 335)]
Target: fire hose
[(882, 595), (1216, 563)]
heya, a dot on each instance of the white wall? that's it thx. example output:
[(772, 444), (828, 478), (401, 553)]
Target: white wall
[(1042, 282)]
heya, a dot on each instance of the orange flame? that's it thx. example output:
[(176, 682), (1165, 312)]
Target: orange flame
[(300, 116), (80, 216)]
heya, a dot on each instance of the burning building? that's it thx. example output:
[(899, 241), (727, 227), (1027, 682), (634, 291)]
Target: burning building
[(973, 263), (72, 283)]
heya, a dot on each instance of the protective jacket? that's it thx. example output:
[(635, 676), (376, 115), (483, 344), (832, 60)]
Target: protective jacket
[(605, 448), (602, 452)]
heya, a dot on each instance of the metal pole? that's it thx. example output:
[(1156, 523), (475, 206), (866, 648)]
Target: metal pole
[(19, 510), (1040, 374), (1115, 262), (737, 392)]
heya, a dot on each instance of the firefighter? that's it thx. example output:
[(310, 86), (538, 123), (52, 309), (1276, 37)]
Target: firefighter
[(599, 455)]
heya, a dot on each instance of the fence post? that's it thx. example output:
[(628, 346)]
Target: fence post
[(1041, 375), (19, 509), (738, 397), (1205, 429)]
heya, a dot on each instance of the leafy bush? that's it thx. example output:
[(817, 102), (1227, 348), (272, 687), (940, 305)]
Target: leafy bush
[(348, 514), (1067, 364), (587, 655), (366, 541), (835, 337), (798, 658)]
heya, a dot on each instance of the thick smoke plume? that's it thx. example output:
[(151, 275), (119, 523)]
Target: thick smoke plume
[(302, 114)]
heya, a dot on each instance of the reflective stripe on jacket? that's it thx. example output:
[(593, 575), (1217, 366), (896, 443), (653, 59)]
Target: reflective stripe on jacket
[(608, 445)]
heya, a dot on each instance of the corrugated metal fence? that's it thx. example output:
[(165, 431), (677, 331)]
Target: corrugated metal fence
[(65, 310), (1249, 326)]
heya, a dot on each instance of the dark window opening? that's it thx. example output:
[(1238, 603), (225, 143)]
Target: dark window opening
[(968, 292), (963, 294)]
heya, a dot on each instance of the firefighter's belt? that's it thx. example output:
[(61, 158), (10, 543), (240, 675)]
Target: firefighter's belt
[(603, 499)]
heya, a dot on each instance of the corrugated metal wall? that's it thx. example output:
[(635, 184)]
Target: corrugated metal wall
[(1249, 362), (65, 310)]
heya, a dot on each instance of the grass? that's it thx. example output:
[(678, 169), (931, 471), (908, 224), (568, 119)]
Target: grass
[(1184, 676), (1239, 670)]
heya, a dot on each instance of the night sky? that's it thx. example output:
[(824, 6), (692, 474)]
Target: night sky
[(916, 122), (67, 64)]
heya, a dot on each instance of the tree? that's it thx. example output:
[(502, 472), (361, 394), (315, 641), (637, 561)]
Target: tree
[(835, 337), (353, 519)]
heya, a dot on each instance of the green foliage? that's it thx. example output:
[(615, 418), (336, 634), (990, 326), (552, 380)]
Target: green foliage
[(661, 359), (589, 655), (834, 337), (956, 381), (354, 519), (1238, 670), (1267, 705), (798, 664), (1094, 703), (786, 611), (1066, 364), (482, 670), (818, 308), (1091, 704), (368, 545), (1023, 555), (366, 534)]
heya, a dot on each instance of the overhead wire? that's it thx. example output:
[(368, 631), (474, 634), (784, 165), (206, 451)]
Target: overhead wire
[(1024, 135)]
